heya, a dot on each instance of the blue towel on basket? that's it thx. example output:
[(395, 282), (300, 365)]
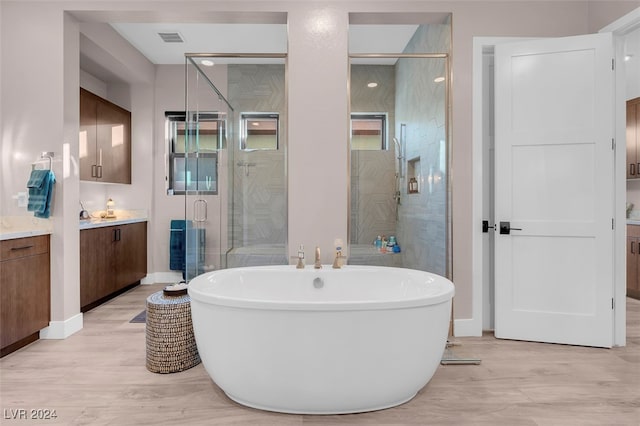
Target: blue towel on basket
[(40, 187), (186, 248), (177, 245)]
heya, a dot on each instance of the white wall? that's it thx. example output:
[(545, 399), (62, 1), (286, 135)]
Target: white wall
[(37, 116), (169, 89), (318, 153), (318, 165)]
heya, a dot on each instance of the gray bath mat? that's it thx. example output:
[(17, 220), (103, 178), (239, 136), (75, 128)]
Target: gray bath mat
[(141, 317)]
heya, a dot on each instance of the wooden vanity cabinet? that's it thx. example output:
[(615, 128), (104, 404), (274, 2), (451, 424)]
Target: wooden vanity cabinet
[(633, 261), (633, 139), (105, 140), (112, 259), (25, 290)]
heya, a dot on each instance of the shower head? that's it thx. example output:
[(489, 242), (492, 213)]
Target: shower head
[(400, 157), (395, 140)]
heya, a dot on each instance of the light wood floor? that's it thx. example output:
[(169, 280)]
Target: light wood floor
[(98, 377)]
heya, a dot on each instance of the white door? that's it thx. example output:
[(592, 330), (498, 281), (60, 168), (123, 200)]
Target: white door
[(554, 190)]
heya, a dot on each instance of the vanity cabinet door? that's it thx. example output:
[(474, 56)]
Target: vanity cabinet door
[(88, 134), (25, 303), (104, 140), (96, 264), (113, 143), (131, 254)]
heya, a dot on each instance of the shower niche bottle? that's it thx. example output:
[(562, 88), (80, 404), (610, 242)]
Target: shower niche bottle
[(413, 186)]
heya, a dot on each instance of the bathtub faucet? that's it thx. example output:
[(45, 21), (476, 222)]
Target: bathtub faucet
[(317, 264)]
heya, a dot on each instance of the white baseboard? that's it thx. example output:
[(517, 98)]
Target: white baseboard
[(466, 328), (62, 329), (162, 277)]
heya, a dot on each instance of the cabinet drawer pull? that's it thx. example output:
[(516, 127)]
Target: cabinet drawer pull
[(21, 248), (632, 169), (632, 252), (93, 171)]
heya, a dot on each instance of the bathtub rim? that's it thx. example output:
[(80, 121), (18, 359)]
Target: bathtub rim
[(198, 295)]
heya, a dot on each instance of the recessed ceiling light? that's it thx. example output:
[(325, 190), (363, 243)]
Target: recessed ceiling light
[(438, 79), (255, 123), (372, 84), (627, 58), (207, 62)]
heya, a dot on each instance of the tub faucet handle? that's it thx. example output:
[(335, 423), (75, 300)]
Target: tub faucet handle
[(337, 262), (317, 264), (299, 257), (299, 262)]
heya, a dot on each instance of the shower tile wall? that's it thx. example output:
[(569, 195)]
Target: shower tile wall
[(422, 225), (259, 211), (373, 172)]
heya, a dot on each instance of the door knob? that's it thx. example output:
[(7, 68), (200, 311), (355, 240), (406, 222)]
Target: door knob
[(505, 228)]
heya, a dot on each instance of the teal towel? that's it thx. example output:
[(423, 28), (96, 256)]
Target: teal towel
[(40, 187), (38, 178)]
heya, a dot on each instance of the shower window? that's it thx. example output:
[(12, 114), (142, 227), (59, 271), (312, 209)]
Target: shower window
[(196, 168), (368, 131), (259, 131)]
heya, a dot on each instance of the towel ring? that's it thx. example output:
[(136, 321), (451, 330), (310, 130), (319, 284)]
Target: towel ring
[(48, 155)]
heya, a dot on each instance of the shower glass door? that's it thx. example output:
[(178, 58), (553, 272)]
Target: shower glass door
[(209, 119)]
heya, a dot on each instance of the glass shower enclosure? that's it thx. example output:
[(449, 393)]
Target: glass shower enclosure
[(234, 162), (208, 122), (400, 211)]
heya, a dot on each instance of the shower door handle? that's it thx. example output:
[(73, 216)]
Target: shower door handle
[(200, 206)]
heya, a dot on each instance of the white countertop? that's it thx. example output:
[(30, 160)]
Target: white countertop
[(98, 223), (633, 221), (123, 217), (12, 227)]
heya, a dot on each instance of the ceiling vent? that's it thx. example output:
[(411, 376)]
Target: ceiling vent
[(171, 37)]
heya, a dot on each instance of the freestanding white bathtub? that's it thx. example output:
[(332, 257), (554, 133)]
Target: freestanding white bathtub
[(320, 341)]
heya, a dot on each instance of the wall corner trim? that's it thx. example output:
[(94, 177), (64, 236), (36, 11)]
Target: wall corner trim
[(161, 277), (470, 327), (62, 329)]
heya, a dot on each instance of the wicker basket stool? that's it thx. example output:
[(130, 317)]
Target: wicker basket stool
[(171, 345)]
